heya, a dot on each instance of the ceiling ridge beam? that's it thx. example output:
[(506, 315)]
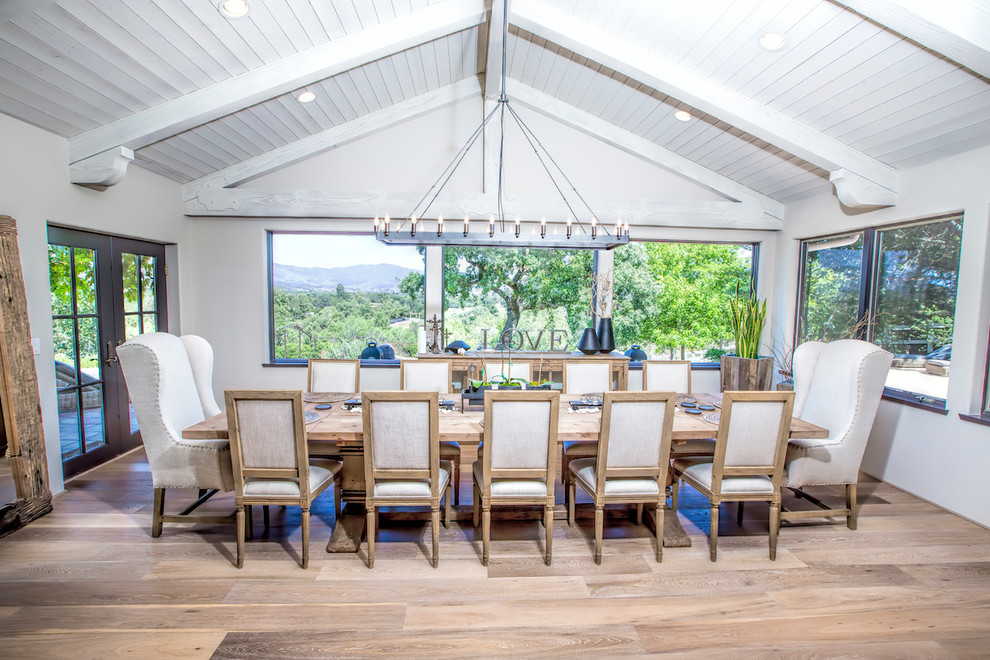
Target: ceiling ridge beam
[(669, 77), (638, 146), (283, 203), (339, 55), (957, 29), (493, 78), (362, 126)]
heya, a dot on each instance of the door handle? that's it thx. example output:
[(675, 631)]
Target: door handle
[(111, 355)]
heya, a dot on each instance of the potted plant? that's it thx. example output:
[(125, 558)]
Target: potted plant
[(747, 370)]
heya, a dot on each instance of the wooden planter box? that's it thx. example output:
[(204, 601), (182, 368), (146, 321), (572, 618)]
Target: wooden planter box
[(746, 373)]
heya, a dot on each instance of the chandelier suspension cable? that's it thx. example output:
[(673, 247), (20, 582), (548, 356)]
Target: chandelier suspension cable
[(502, 103)]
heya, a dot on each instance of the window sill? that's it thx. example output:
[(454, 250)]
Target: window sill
[(374, 364), (695, 366), (913, 400), (983, 419)]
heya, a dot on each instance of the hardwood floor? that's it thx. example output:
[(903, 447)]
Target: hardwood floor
[(88, 581)]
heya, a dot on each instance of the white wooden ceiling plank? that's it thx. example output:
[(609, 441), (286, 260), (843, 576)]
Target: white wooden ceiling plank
[(531, 63), (797, 176), (722, 135), (281, 122), (728, 149), (419, 4), (275, 31), (766, 173), (17, 107), (403, 68), (151, 23), (470, 60), (692, 27), (189, 143), (615, 93), (742, 47), (385, 10), (290, 73), (232, 131), (550, 61), (42, 60), (252, 131), (124, 46), (579, 72), (843, 70), (274, 135), (718, 32), (61, 50), (384, 92), (619, 17), (455, 55), (308, 21), (362, 85), (417, 70), (708, 97), (317, 111), (911, 123), (144, 161), (390, 78), (818, 67), (958, 29), (217, 35), (707, 131), (634, 115), (178, 160), (962, 139), (366, 13), (400, 7), (332, 100), (433, 65), (745, 168), (802, 190), (58, 90), (348, 83), (329, 20), (135, 27), (680, 136), (219, 146)]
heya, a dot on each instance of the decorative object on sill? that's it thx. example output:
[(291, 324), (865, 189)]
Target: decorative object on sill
[(498, 234), (458, 346), (372, 352), (605, 336), (747, 370), (602, 306), (637, 354), (589, 344), (436, 332)]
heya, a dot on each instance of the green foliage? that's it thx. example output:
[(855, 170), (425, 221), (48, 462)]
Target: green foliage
[(748, 317)]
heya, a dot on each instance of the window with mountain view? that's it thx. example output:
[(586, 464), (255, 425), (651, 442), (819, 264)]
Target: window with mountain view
[(332, 294)]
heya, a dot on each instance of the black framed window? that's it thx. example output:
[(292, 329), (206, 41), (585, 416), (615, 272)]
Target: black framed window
[(895, 286), (331, 294)]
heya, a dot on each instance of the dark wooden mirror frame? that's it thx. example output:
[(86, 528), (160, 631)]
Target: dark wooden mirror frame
[(20, 402)]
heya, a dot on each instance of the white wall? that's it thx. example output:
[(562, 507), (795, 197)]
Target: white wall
[(35, 190), (939, 458)]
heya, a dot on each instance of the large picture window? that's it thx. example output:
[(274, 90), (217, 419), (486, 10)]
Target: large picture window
[(894, 286), (332, 294)]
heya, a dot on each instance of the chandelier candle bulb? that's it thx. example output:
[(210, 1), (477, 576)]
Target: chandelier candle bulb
[(376, 224), (412, 228), (491, 225), (543, 227), (568, 226), (439, 226), (386, 224), (594, 227), (517, 226)]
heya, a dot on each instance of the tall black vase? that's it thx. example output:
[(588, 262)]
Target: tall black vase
[(589, 344), (605, 336)]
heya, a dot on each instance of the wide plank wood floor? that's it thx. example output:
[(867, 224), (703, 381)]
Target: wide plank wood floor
[(88, 581)]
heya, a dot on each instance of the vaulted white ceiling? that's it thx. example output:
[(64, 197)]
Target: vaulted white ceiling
[(863, 88)]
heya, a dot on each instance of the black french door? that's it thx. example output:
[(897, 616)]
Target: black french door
[(105, 290)]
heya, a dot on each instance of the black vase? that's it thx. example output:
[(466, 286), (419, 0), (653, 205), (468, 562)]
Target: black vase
[(589, 344), (605, 336)]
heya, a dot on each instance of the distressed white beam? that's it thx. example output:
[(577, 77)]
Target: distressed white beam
[(637, 146), (102, 170), (958, 29), (280, 77), (253, 202), (591, 41), (334, 137)]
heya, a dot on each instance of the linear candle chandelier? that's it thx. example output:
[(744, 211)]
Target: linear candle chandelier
[(412, 230)]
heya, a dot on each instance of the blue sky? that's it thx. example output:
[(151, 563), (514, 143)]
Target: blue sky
[(337, 250)]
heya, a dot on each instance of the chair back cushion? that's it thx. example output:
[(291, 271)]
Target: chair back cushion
[(201, 361), (587, 377), (519, 434), (400, 435), (333, 375), (267, 435), (753, 433), (667, 376), (426, 376), (635, 434), (494, 368)]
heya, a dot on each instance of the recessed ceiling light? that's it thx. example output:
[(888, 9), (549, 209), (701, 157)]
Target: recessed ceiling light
[(306, 96), (683, 115), (773, 41), (234, 8)]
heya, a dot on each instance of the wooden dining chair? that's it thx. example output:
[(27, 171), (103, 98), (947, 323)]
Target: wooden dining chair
[(520, 458), (632, 462), (748, 464), (517, 369), (333, 375), (582, 376), (675, 375), (402, 465), (434, 376), (270, 458)]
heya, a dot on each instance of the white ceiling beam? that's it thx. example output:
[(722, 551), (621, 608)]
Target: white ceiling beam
[(640, 147), (285, 75), (360, 127), (256, 202), (493, 80), (957, 29), (591, 41)]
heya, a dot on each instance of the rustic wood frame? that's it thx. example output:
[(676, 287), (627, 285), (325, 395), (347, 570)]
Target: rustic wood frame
[(20, 401)]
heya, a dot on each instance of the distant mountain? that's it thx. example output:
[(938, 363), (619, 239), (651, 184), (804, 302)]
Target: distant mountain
[(365, 277)]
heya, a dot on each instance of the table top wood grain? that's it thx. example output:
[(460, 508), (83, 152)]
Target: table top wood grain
[(345, 427)]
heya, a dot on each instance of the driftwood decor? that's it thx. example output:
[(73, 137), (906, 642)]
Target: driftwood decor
[(19, 399)]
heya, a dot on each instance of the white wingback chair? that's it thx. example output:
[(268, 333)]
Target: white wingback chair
[(169, 379), (838, 386)]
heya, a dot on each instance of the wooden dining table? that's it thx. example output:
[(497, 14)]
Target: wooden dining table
[(338, 432)]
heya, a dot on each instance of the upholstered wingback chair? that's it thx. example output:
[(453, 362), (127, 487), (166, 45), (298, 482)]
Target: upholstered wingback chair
[(169, 379), (837, 386)]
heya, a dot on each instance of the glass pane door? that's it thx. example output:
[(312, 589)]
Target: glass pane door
[(832, 275)]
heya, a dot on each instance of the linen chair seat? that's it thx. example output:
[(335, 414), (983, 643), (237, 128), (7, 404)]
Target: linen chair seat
[(406, 489), (584, 470), (700, 475), (504, 488), (318, 478)]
